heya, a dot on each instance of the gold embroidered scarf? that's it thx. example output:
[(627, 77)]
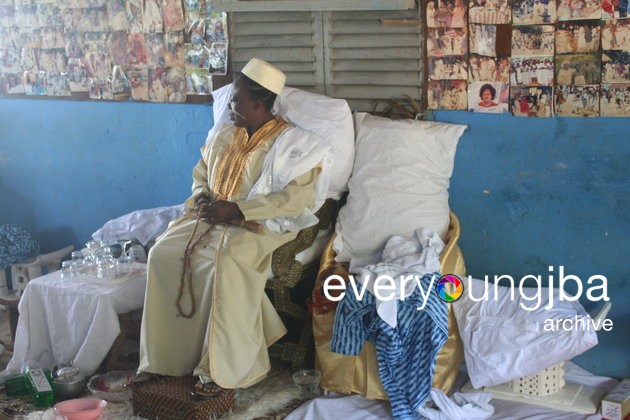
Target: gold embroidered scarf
[(236, 157)]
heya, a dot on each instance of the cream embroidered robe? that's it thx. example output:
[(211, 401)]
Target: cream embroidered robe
[(234, 321)]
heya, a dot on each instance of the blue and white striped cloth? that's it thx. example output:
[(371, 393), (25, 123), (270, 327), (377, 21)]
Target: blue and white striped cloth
[(406, 354)]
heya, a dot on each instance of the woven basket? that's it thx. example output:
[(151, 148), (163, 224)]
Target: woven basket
[(170, 398)]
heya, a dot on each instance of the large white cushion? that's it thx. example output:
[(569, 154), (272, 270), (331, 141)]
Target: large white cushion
[(399, 183), (503, 341), (328, 118)]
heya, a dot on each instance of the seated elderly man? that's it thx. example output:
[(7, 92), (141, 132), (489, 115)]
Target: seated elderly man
[(205, 310)]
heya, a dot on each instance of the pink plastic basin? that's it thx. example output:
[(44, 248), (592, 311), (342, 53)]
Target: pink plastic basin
[(81, 409)]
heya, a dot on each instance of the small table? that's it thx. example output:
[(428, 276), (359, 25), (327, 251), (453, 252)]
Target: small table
[(74, 320), (11, 301)]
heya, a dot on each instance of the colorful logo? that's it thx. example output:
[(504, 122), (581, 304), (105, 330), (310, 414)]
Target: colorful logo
[(450, 288)]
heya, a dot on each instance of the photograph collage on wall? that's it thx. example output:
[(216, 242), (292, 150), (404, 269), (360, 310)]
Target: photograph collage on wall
[(141, 50), (533, 58)]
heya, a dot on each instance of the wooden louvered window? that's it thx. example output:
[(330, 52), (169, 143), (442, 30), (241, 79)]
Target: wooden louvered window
[(366, 57)]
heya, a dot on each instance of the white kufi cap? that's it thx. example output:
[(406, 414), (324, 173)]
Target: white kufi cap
[(265, 75)]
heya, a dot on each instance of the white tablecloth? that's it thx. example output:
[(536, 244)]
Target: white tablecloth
[(73, 320)]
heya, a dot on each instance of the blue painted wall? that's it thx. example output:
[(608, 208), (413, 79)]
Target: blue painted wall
[(534, 193), (66, 167), (556, 191)]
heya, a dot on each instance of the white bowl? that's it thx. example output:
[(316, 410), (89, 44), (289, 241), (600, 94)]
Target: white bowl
[(111, 386)]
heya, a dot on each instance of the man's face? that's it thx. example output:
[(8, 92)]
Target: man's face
[(242, 107)]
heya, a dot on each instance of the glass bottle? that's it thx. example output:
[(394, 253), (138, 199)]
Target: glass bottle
[(40, 386)]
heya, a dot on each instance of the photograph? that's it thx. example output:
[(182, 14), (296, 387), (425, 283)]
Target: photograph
[(173, 52), (578, 69), (448, 68), (53, 60), (118, 47), (532, 71), (446, 42), (483, 40), (121, 89), (91, 20), (615, 100), (11, 83), (175, 83), (34, 82), (28, 59), (10, 60), (446, 14), (198, 82), (579, 9), (154, 43), (195, 5), (57, 84), (48, 15), (137, 49), (489, 97), (139, 81), (614, 9), (615, 66), (577, 37), (78, 75), (532, 40), (74, 48), (616, 35), (490, 12), (216, 28), (488, 69), (152, 16), (133, 9), (217, 59), (195, 55), (196, 31), (26, 38), (157, 87), (7, 14), (52, 37), (533, 12), (447, 94), (100, 89), (577, 101), (172, 15), (25, 16), (531, 101), (117, 15), (99, 65)]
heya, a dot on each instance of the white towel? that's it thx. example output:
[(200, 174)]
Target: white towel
[(414, 255)]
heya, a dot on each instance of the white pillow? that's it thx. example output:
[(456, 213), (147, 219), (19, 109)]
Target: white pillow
[(399, 183), (329, 118), (502, 341)]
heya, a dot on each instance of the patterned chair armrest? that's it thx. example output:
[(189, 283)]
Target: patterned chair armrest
[(290, 286)]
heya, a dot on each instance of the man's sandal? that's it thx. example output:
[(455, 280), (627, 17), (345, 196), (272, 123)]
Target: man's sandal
[(142, 377), (206, 391)]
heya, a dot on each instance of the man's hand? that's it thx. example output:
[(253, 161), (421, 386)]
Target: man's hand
[(221, 211)]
